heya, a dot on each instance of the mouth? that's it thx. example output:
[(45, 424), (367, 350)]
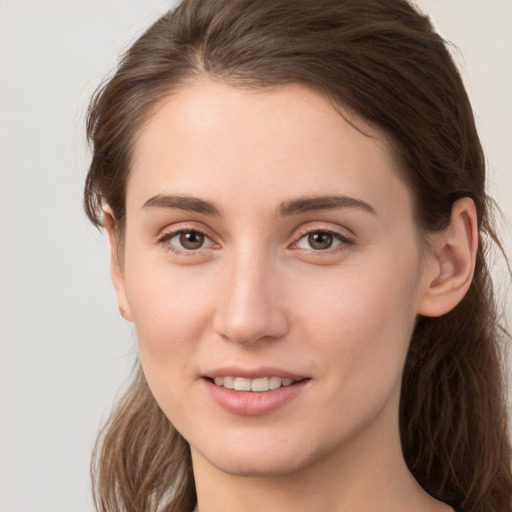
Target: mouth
[(254, 394), (259, 384)]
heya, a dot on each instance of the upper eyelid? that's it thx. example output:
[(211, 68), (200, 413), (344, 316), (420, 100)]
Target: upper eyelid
[(322, 230), (306, 229), (172, 234), (295, 236), (181, 227), (344, 240)]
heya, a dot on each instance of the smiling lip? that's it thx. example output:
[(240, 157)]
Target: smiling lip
[(253, 403), (255, 373)]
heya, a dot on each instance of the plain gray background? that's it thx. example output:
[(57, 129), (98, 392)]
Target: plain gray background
[(65, 352)]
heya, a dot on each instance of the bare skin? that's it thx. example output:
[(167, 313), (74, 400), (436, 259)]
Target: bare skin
[(228, 271)]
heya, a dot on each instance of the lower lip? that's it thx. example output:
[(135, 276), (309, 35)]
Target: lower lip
[(253, 403)]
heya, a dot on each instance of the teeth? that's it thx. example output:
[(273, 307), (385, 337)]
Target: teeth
[(242, 384), (260, 384), (274, 382)]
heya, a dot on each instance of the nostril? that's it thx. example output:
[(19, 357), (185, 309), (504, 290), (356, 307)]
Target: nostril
[(251, 327)]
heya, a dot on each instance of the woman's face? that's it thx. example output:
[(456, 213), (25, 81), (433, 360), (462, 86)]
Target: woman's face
[(269, 244)]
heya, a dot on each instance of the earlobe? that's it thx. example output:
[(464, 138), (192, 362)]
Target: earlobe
[(116, 269), (451, 263)]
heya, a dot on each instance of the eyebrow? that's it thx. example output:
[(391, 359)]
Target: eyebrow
[(187, 203), (308, 204), (285, 209)]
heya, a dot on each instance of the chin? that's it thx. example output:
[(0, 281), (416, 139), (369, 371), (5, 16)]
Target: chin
[(257, 459), (259, 467)]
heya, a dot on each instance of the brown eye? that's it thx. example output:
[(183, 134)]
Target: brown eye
[(191, 240), (320, 240), (187, 242)]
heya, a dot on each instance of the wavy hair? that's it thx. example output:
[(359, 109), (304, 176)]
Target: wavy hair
[(382, 60)]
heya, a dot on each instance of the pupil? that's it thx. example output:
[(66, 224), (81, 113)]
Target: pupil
[(191, 240), (320, 240)]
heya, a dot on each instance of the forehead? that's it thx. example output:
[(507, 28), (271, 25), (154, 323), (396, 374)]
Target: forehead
[(265, 146)]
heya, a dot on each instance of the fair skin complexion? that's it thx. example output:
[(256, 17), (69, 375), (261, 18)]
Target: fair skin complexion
[(227, 271)]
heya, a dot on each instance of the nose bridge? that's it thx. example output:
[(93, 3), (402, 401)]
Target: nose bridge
[(249, 305)]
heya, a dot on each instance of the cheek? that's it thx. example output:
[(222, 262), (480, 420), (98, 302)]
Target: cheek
[(363, 319), (169, 306), (170, 314)]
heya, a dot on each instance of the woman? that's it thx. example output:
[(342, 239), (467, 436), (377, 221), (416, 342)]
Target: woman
[(294, 194)]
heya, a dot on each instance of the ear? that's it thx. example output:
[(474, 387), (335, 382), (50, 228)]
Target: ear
[(116, 269), (450, 266)]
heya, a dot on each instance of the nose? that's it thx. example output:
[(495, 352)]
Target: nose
[(251, 302)]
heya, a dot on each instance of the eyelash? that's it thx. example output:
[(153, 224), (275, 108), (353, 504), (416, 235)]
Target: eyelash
[(343, 240), (167, 237)]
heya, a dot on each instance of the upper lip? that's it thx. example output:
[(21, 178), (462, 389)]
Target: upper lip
[(253, 373)]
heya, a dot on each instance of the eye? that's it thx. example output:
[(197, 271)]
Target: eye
[(320, 240), (186, 240)]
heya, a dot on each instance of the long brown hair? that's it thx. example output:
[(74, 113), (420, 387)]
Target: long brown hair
[(382, 60)]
